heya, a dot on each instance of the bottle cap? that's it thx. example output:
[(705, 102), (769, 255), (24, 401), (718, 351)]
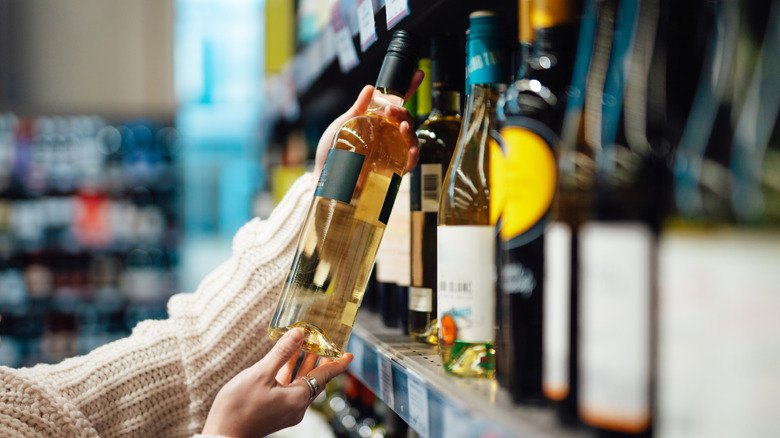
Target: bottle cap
[(400, 62), (485, 54)]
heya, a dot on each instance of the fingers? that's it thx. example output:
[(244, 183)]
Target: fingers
[(285, 374), (286, 349), (307, 364), (359, 107), (323, 373), (417, 79)]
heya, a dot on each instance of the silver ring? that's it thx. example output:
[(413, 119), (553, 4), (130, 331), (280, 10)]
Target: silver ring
[(314, 387)]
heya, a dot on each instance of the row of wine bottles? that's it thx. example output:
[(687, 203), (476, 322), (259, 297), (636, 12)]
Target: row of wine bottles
[(585, 226), (600, 217)]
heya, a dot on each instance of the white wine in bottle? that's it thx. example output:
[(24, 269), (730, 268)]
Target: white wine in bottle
[(465, 243), (349, 213)]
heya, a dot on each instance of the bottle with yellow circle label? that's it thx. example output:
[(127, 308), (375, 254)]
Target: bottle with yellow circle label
[(523, 185)]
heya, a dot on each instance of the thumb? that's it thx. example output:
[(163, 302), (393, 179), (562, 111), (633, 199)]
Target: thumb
[(359, 107), (288, 346)]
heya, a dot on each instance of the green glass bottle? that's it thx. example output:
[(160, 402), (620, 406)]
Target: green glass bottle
[(437, 136)]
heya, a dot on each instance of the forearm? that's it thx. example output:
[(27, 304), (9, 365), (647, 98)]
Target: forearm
[(162, 379)]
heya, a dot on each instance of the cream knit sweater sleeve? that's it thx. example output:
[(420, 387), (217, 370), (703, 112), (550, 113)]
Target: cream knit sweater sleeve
[(161, 380)]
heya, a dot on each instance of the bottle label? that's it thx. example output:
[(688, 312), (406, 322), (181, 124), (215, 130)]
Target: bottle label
[(426, 187), (523, 178), (718, 301), (340, 175), (420, 299), (615, 281), (557, 305), (485, 64), (466, 282)]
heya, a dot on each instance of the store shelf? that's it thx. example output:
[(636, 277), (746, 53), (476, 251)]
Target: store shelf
[(409, 378)]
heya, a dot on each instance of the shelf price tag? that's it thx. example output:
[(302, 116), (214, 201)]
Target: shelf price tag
[(396, 10), (455, 423), (386, 380), (418, 405), (356, 347), (366, 23), (345, 49)]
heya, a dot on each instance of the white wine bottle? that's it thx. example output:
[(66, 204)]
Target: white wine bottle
[(349, 213), (465, 242)]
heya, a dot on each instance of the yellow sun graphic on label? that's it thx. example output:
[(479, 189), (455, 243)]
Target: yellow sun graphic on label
[(522, 180)]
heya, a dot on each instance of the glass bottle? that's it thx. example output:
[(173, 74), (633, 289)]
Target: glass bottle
[(437, 136), (718, 255), (465, 240), (524, 179), (348, 215)]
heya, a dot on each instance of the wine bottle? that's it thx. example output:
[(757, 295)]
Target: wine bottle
[(465, 234), (348, 215), (724, 249), (524, 179), (437, 137), (570, 206)]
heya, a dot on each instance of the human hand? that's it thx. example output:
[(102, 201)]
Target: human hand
[(267, 396), (396, 114)]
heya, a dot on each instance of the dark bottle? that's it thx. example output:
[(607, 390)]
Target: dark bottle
[(437, 136), (721, 245), (524, 179), (616, 245)]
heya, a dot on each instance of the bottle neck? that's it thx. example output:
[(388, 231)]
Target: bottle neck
[(444, 102)]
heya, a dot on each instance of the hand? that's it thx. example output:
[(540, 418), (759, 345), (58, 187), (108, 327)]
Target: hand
[(395, 113), (267, 396)]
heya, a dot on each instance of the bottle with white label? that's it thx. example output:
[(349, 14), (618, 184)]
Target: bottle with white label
[(616, 251), (719, 256), (466, 235), (348, 215), (437, 136)]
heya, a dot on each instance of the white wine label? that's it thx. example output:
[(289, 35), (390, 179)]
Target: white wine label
[(615, 268), (395, 249), (418, 404), (430, 186), (420, 299), (556, 317), (349, 314), (466, 277), (719, 294), (366, 24)]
